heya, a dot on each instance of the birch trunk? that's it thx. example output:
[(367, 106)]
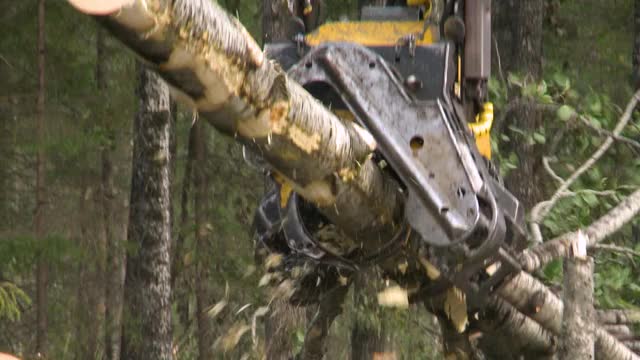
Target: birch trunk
[(578, 328)]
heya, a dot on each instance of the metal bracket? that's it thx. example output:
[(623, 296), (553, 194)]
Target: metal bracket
[(427, 150), (450, 200)]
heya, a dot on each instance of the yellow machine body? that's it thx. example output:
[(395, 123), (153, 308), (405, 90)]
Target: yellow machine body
[(389, 33), (370, 33)]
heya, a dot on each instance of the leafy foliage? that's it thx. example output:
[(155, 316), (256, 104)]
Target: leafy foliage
[(12, 301)]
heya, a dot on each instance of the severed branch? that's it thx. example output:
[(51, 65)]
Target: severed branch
[(534, 258), (616, 249), (214, 64), (618, 316), (541, 210), (607, 133)]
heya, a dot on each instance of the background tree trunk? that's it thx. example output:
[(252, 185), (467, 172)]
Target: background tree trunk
[(147, 332), (635, 56), (525, 181), (203, 243), (503, 29), (112, 250), (42, 266)]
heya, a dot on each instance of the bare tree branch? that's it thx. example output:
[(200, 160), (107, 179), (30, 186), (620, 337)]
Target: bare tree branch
[(618, 316), (616, 249), (624, 119), (607, 133), (536, 233), (534, 258)]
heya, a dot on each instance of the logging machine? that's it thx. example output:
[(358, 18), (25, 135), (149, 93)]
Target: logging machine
[(415, 76)]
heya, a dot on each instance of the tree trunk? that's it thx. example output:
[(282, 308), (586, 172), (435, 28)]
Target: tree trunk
[(635, 56), (112, 249), (203, 243), (578, 318), (503, 28), (525, 181), (147, 296), (178, 268), (42, 266)]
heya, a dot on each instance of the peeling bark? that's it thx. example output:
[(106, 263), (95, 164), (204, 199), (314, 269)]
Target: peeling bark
[(608, 348), (539, 303), (510, 335)]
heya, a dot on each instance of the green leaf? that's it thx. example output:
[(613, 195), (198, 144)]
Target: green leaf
[(539, 138), (514, 79), (561, 80), (553, 271), (542, 88), (565, 112), (590, 199)]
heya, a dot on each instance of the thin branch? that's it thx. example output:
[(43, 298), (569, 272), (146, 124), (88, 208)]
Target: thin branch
[(617, 316), (538, 256), (605, 132), (624, 119), (500, 71), (536, 233), (545, 162), (616, 249)]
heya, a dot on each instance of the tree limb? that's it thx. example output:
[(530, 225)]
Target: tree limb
[(624, 119), (607, 133), (616, 249), (534, 258), (618, 316)]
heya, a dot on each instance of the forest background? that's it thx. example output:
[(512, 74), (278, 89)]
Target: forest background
[(83, 162)]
